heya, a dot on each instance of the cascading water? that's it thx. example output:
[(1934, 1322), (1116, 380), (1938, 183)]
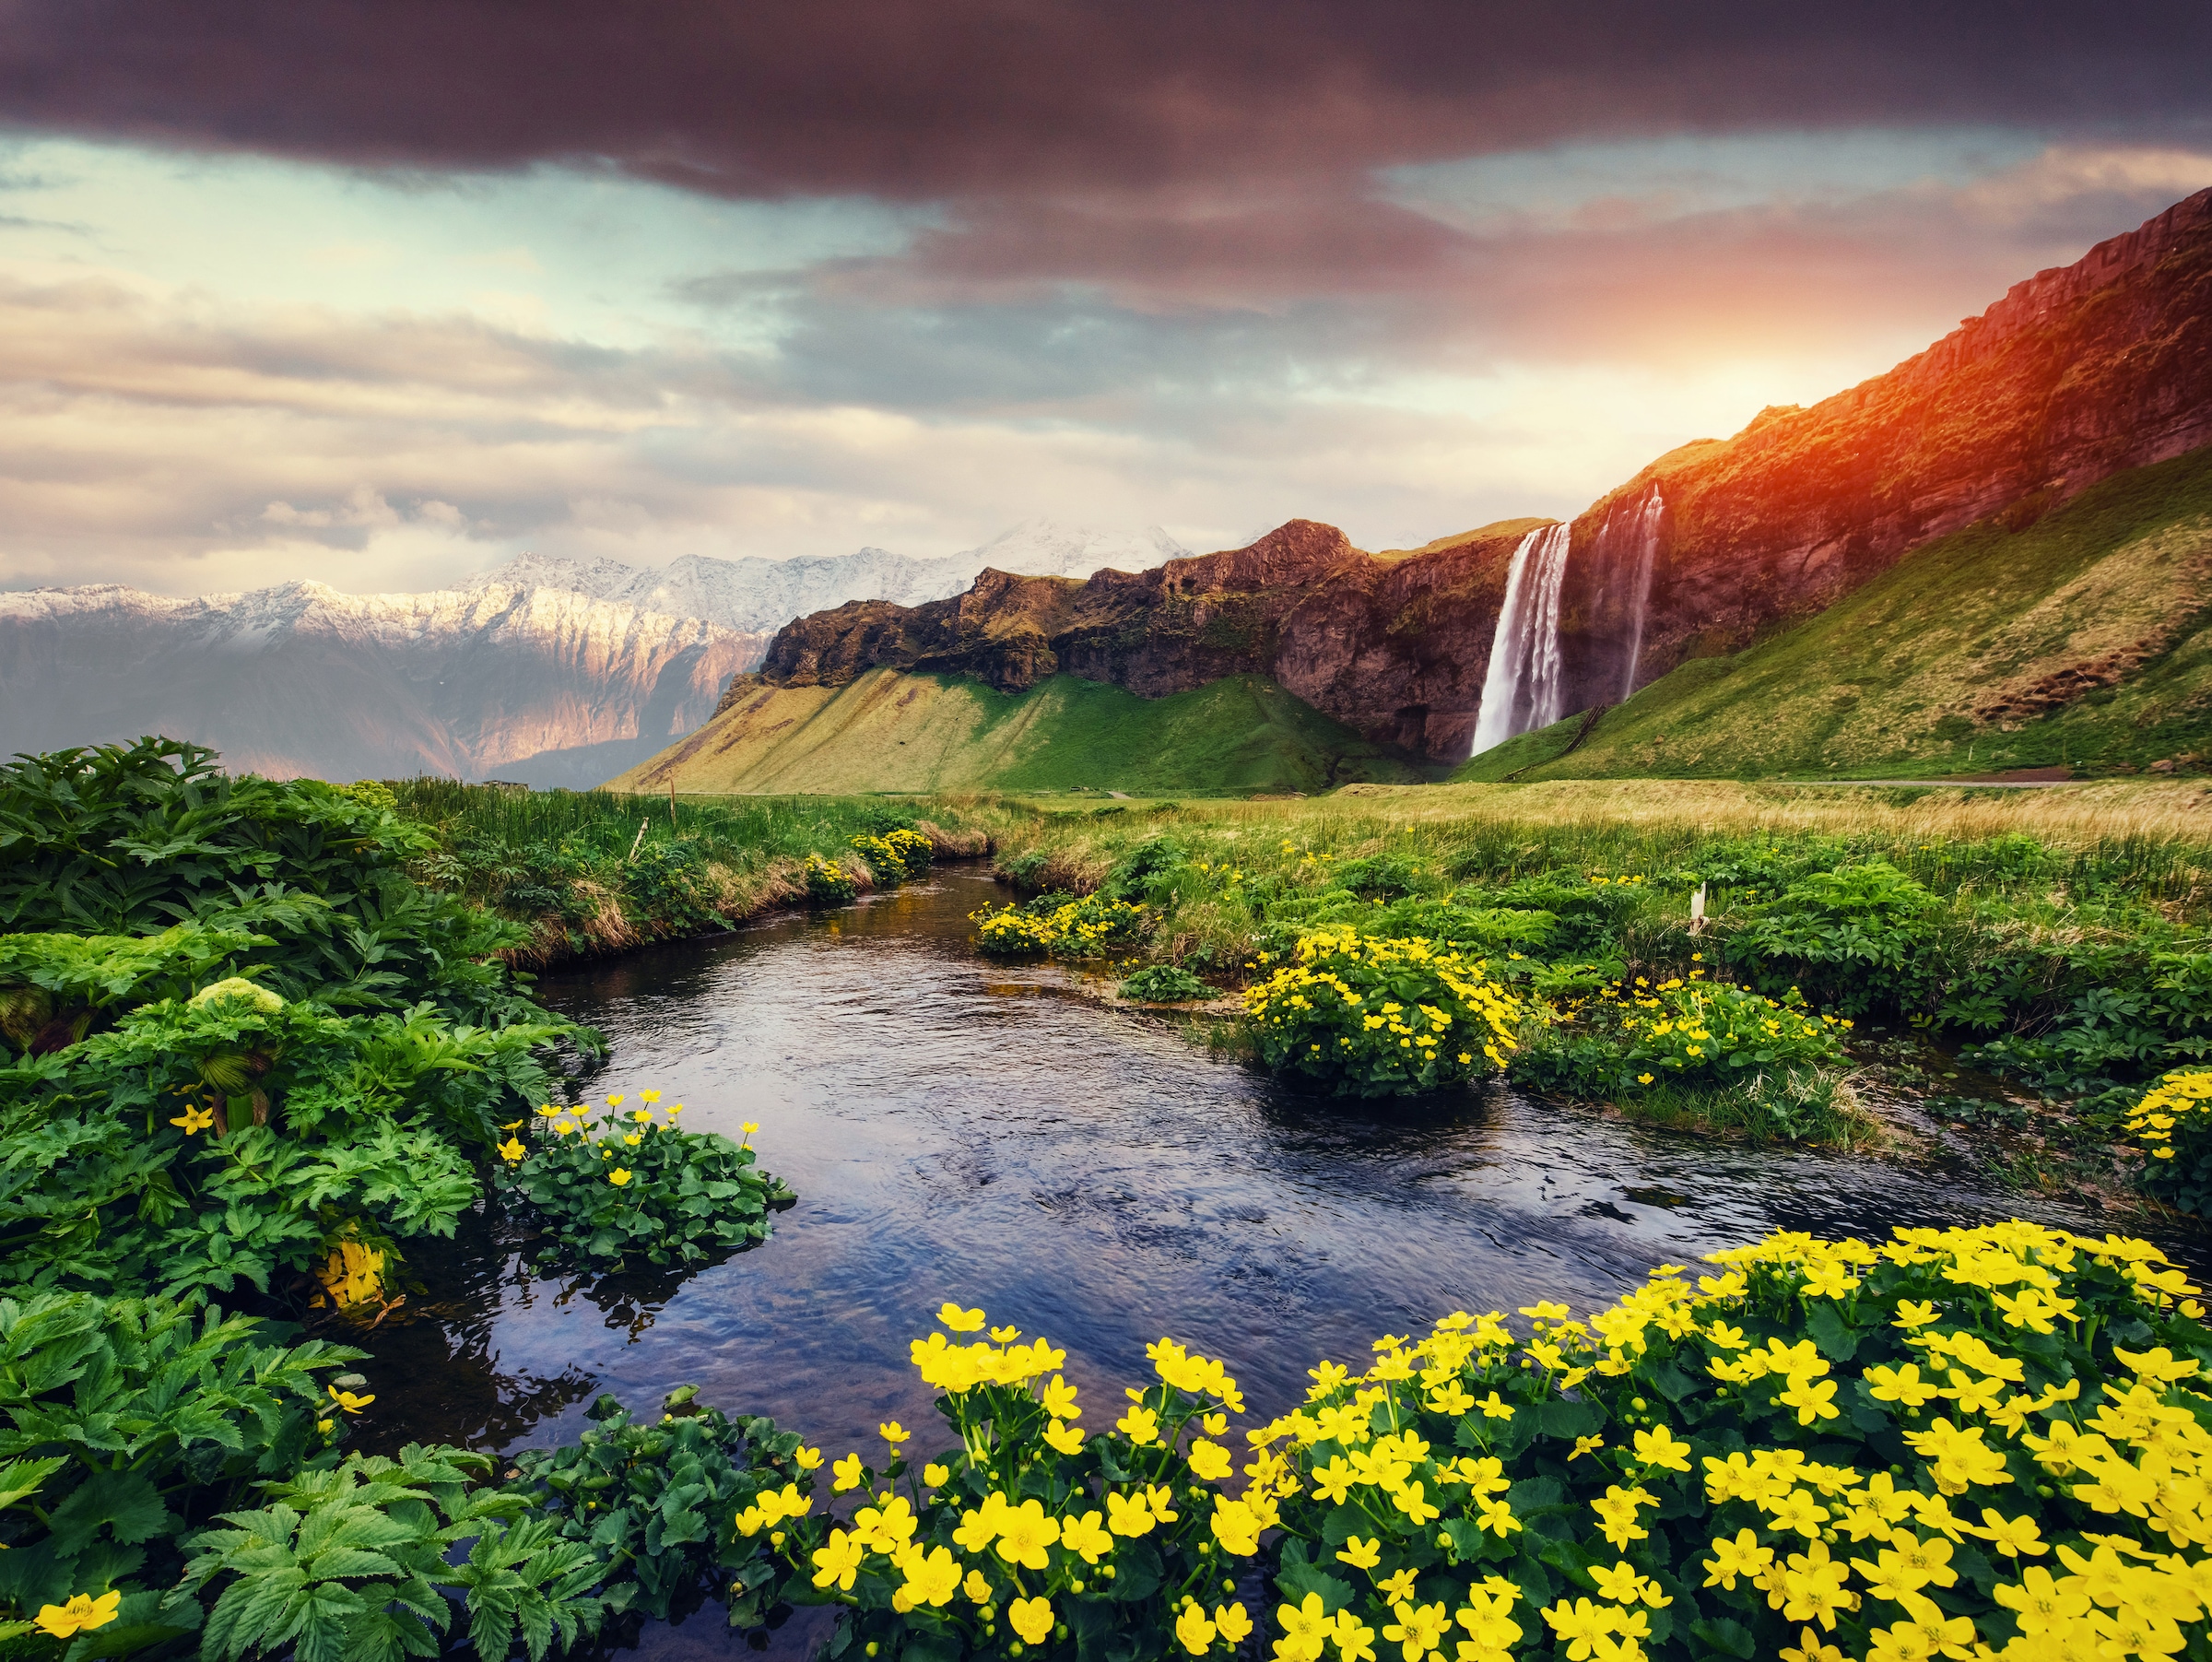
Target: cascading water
[(1522, 688), (1645, 529)]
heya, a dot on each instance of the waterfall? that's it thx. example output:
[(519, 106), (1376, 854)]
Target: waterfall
[(1520, 690), (1646, 531)]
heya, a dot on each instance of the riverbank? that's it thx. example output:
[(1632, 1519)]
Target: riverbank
[(2015, 966)]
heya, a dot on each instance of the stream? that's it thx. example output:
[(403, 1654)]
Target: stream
[(960, 1129)]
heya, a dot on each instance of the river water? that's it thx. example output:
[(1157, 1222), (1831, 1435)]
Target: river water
[(958, 1129)]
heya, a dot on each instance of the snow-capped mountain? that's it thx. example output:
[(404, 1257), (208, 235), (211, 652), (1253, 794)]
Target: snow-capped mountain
[(553, 672), (517, 681), (762, 595)]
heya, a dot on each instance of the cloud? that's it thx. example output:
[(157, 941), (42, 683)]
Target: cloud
[(921, 99)]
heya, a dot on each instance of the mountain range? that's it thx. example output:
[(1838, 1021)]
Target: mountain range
[(548, 672), (1997, 554)]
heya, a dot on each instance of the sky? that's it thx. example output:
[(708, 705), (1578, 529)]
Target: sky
[(382, 294)]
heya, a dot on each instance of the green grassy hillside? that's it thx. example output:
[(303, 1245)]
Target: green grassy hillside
[(889, 731), (1984, 650)]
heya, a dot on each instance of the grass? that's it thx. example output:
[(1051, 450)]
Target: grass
[(1893, 679), (597, 872), (889, 731)]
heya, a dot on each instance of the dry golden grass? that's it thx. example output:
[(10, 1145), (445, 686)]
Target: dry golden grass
[(2071, 816)]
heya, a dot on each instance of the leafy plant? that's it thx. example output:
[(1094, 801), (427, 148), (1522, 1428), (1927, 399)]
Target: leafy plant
[(1860, 937), (1164, 984), (607, 1189), (355, 1563), (129, 1422), (661, 1507), (1378, 1018)]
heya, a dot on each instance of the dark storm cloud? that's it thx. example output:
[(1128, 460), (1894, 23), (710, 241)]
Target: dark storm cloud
[(938, 99)]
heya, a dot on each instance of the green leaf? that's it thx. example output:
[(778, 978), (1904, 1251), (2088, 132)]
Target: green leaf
[(123, 1502), (1824, 1325)]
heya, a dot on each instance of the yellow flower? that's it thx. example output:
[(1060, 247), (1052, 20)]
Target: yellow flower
[(1209, 1461), (839, 1561), (1307, 1628), (1194, 1630), (1086, 1537), (349, 1401), (1140, 1424), (649, 1096), (749, 1128), (1659, 1447), (958, 1320), (809, 1459), (1024, 1534), (618, 1176), (511, 1150), (1397, 1587), (616, 1102), (1361, 1554), (847, 1472), (1032, 1618), (893, 1433), (1643, 1078), (1128, 1515), (191, 1119), (934, 1475), (1065, 1438), (1495, 1408), (81, 1614), (976, 1587), (323, 1426), (1355, 1640), (634, 1139)]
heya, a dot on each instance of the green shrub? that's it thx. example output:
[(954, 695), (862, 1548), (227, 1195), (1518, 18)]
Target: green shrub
[(1164, 984), (1860, 937), (1379, 1018), (829, 883), (203, 1142), (131, 1423), (1590, 909), (1379, 876), (131, 839), (632, 1185), (659, 1507), (1679, 1034)]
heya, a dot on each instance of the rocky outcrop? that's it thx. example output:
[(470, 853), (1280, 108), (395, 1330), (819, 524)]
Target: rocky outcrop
[(539, 685), (2076, 374)]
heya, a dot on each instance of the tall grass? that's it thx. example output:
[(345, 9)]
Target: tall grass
[(741, 829)]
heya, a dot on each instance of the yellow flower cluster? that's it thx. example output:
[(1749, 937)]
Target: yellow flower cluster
[(1079, 930), (942, 1553), (1819, 1538), (1336, 983), (352, 1274), (2178, 1101)]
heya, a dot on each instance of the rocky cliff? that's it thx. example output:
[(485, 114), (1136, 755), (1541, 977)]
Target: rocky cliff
[(2074, 375), (537, 684)]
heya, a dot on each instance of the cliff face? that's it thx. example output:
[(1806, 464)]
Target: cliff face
[(537, 684), (2076, 374)]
